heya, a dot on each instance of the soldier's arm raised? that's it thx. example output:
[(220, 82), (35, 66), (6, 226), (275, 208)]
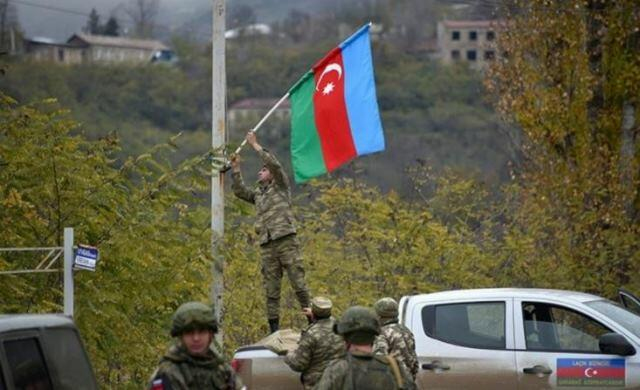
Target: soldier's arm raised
[(272, 163), (238, 186), (279, 176)]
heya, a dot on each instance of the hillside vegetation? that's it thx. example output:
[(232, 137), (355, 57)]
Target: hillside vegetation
[(568, 217)]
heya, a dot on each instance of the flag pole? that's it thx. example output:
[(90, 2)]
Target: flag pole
[(264, 118), (227, 166)]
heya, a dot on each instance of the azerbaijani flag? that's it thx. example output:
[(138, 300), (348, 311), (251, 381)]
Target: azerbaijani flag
[(591, 372), (334, 112)]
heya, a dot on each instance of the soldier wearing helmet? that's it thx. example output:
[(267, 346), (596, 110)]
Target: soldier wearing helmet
[(192, 363), (395, 338), (360, 368), (318, 344)]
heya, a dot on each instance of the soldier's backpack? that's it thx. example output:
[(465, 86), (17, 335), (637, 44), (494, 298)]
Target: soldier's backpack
[(377, 373)]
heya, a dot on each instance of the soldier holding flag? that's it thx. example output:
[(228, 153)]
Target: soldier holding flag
[(275, 226)]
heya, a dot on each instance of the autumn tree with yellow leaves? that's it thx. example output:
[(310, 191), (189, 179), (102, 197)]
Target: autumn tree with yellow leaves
[(569, 78)]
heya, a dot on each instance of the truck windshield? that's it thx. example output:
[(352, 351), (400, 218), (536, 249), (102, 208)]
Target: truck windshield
[(622, 316)]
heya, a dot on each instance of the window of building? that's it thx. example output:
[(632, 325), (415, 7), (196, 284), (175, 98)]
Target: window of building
[(489, 55), (26, 364), (455, 35), (455, 54), (491, 35), (471, 55), (472, 324), (473, 35)]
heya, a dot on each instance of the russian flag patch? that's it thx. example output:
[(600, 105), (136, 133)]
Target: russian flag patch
[(157, 384)]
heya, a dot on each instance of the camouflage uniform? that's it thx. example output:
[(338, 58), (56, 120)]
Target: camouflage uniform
[(366, 371), (180, 371), (395, 339), (362, 370), (318, 345), (275, 226)]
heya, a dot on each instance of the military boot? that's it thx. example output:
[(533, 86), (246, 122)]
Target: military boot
[(274, 324)]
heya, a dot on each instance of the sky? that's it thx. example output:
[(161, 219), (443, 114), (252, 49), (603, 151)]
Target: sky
[(59, 19)]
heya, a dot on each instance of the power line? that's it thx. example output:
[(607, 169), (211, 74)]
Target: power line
[(78, 13), (50, 7)]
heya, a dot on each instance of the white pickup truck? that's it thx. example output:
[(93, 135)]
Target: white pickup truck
[(506, 338)]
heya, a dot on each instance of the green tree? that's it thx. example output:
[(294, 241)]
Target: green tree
[(142, 214), (569, 79), (93, 23), (111, 28)]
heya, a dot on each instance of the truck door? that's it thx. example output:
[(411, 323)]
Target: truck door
[(2, 385), (26, 363), (558, 347), (465, 345)]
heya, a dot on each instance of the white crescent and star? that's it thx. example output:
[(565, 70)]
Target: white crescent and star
[(590, 372), (330, 86)]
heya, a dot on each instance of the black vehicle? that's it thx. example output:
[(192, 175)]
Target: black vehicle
[(44, 352)]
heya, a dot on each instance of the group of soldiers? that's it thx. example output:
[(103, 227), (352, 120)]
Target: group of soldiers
[(364, 349)]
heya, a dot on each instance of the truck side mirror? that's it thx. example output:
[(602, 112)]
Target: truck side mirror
[(616, 344)]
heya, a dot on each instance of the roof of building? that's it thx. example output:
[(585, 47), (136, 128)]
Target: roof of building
[(46, 40), (259, 104), (104, 40), (469, 23)]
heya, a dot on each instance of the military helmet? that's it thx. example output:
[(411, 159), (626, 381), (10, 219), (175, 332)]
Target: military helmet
[(193, 315), (386, 308), (358, 325), (321, 307)]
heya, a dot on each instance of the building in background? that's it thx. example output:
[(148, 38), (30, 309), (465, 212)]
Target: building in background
[(246, 113), (85, 48), (471, 41), (47, 50), (253, 109)]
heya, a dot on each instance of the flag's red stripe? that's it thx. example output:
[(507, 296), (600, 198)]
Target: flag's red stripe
[(332, 121), (599, 373)]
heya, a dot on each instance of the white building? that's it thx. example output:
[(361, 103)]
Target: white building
[(85, 48)]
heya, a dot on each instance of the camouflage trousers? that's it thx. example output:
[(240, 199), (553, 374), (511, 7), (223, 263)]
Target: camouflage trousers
[(278, 255)]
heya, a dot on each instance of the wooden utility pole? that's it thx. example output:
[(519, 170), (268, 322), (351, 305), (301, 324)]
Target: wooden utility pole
[(218, 132)]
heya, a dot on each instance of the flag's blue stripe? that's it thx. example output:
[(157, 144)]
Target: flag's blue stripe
[(360, 93), (608, 363)]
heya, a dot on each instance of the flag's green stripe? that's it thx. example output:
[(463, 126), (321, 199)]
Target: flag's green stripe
[(306, 152)]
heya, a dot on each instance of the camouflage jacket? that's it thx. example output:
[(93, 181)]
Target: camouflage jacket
[(317, 347), (180, 371), (396, 339), (274, 216), (358, 370)]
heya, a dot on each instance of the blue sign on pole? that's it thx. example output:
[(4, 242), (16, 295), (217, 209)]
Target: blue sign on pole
[(86, 257)]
